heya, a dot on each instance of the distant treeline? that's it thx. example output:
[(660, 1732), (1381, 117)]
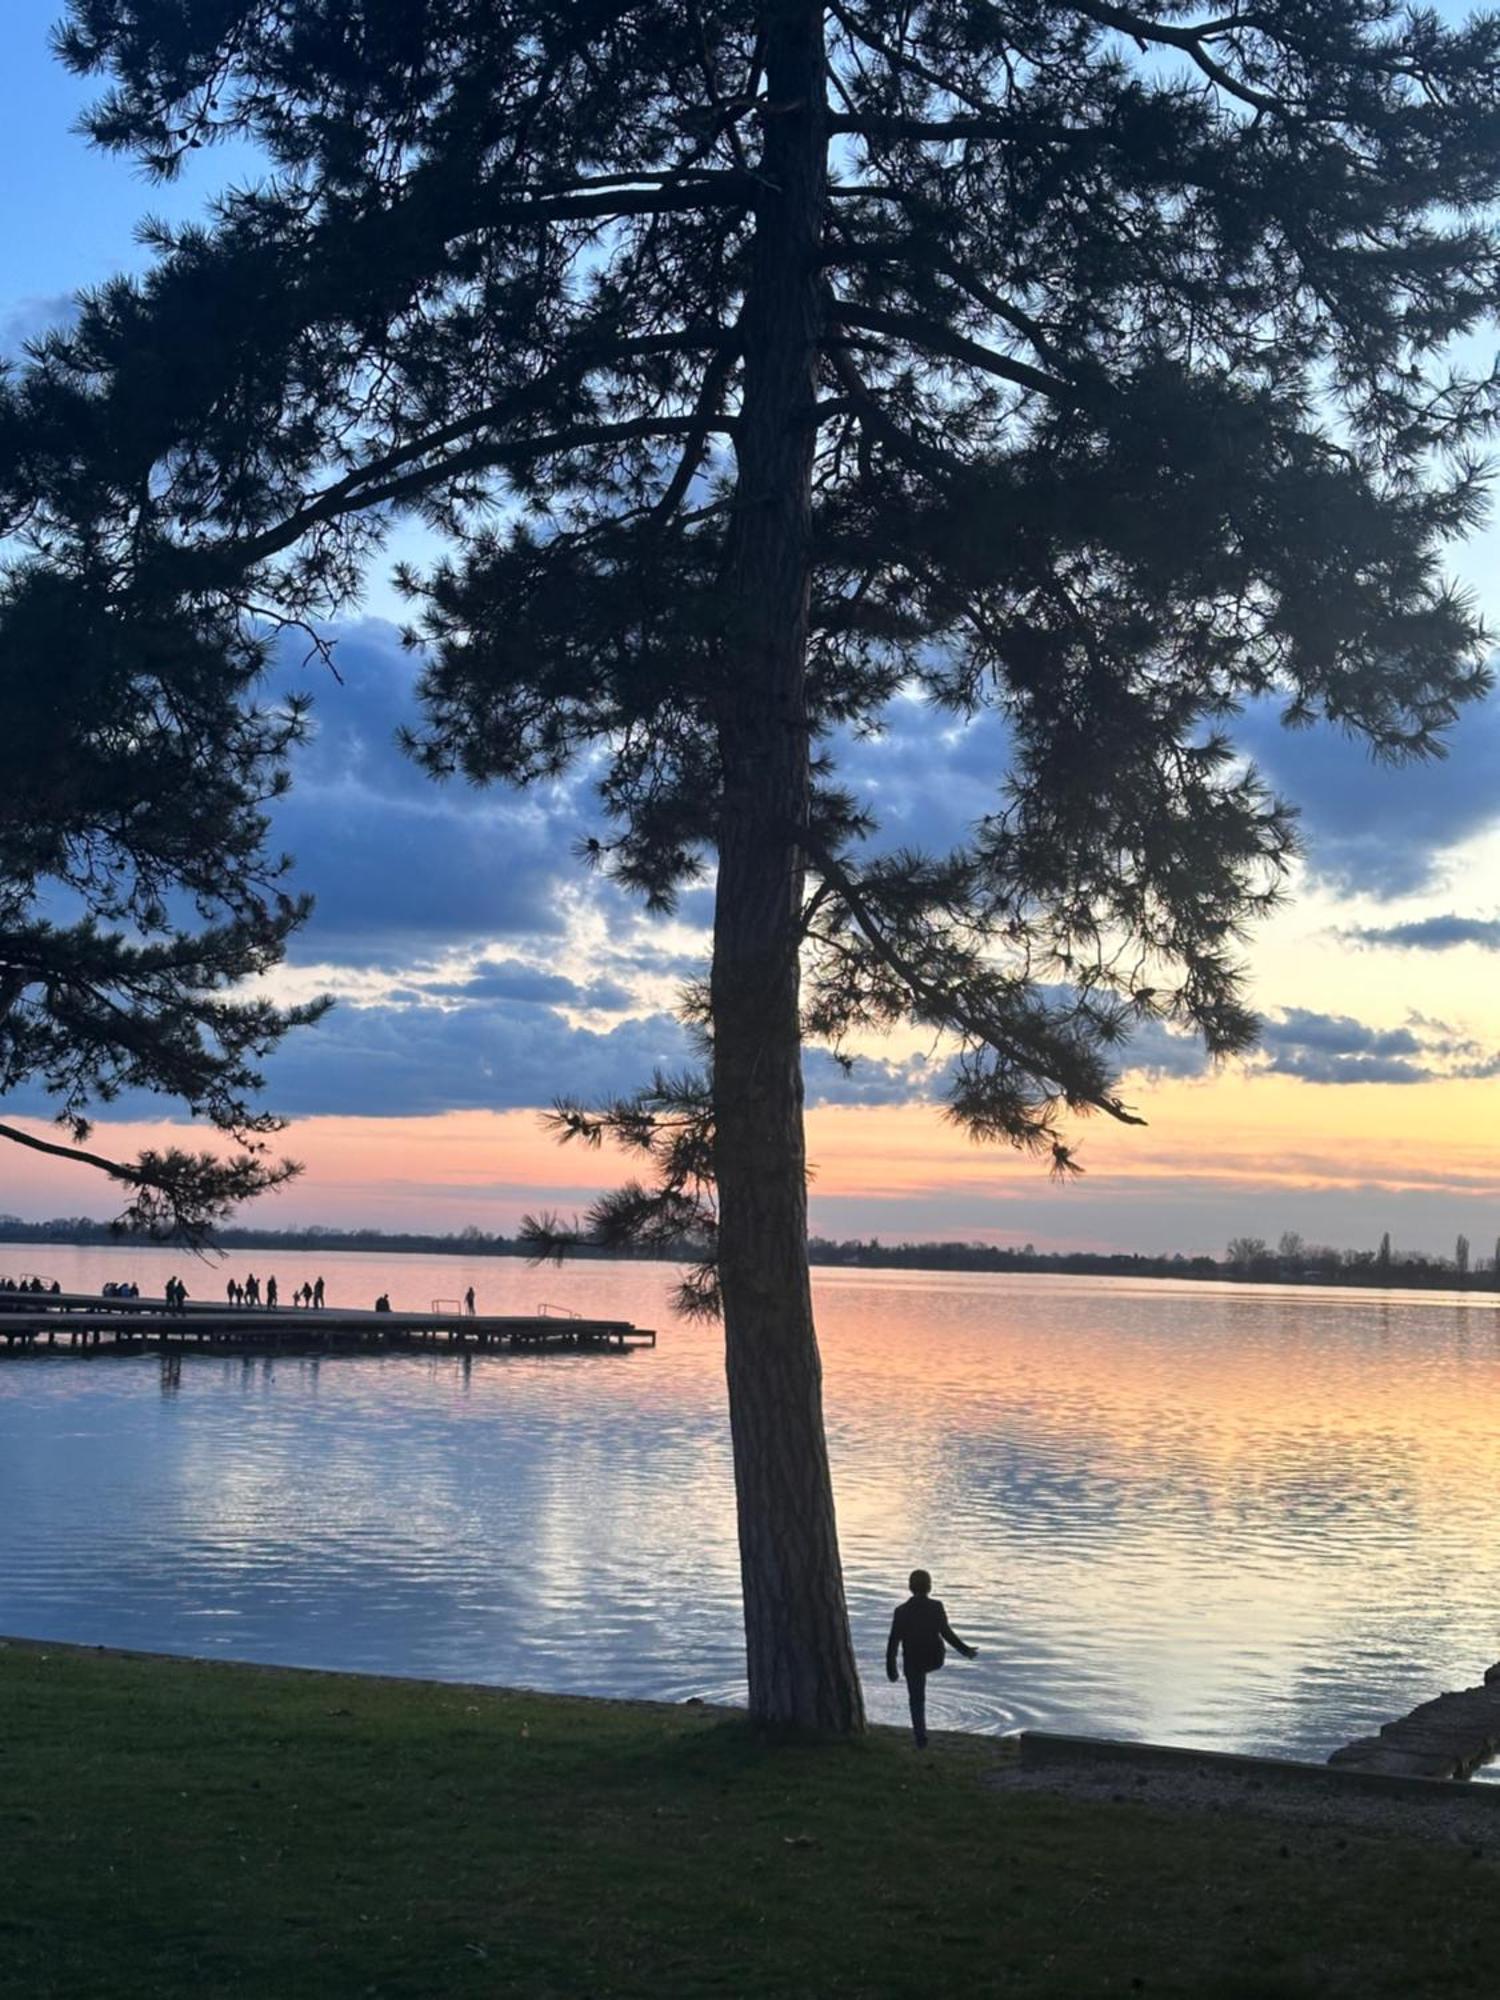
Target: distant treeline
[(1248, 1260)]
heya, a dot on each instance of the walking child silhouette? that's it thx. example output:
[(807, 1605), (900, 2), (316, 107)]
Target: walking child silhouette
[(919, 1628)]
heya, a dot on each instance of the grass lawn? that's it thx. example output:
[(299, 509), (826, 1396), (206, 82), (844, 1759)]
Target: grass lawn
[(171, 1828)]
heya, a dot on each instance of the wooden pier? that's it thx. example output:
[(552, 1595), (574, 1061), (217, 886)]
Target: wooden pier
[(1447, 1737), (82, 1323)]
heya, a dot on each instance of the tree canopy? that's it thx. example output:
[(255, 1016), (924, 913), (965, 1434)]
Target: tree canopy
[(1084, 362), (137, 898)]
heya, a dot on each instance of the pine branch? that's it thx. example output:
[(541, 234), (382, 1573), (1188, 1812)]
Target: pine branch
[(611, 196), (705, 415), (1146, 31), (117, 1169), (926, 253), (178, 1195), (351, 495), (901, 59), (945, 1006), (937, 131), (875, 418), (934, 338)]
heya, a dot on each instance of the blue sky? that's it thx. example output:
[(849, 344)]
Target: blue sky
[(479, 970)]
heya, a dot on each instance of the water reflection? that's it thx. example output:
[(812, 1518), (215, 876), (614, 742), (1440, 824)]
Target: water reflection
[(1241, 1519)]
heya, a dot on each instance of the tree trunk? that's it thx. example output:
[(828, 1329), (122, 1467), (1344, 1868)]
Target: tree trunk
[(801, 1658)]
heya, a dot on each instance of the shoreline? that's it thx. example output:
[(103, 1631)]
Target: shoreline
[(1105, 1266), (83, 1649), (1024, 1760)]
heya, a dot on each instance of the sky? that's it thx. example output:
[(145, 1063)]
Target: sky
[(478, 971)]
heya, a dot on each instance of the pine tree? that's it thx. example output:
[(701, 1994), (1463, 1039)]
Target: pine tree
[(761, 363), (136, 895)]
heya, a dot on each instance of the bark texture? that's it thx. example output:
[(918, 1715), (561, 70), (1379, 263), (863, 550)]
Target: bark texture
[(801, 1659)]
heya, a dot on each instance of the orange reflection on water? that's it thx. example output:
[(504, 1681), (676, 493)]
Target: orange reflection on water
[(1236, 1517)]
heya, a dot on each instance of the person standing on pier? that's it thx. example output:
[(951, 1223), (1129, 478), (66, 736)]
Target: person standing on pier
[(317, 1294), (270, 1291), (469, 1302), (919, 1628), (252, 1289)]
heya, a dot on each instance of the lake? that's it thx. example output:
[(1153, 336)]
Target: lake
[(1255, 1519)]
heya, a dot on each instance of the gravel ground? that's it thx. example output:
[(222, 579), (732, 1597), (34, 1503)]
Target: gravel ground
[(1469, 1821)]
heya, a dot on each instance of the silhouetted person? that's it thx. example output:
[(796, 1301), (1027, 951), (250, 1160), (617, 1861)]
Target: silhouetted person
[(252, 1289), (919, 1628), (270, 1291), (304, 1297), (232, 1291), (469, 1302), (317, 1294), (383, 1303)]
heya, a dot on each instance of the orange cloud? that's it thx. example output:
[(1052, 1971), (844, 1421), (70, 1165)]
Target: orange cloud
[(1224, 1133), (1229, 1129)]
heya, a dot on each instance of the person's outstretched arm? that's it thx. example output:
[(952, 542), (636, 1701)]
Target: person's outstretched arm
[(890, 1648), (952, 1637)]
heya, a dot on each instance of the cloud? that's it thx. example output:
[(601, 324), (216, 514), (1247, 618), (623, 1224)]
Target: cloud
[(410, 873), (1337, 1034), (512, 979), (499, 1042), (695, 907), (1156, 1051), (1377, 829), (872, 1079), (607, 996), (498, 1054), (403, 866), (28, 319), (1433, 934), (499, 979), (391, 1062), (928, 777), (393, 879), (1336, 1048), (400, 865), (1366, 826)]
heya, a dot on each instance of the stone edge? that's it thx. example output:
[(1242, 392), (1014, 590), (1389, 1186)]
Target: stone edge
[(1040, 1747)]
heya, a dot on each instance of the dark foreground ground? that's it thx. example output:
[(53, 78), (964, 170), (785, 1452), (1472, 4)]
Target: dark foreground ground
[(170, 1828)]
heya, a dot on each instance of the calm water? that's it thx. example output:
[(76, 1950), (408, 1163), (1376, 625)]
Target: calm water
[(1253, 1520)]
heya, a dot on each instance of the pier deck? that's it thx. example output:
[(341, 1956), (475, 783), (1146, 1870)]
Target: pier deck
[(84, 1324)]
